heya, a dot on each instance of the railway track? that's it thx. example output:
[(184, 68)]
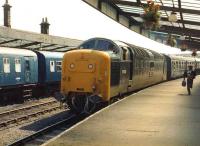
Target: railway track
[(48, 133), (21, 114)]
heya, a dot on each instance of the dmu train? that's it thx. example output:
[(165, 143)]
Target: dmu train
[(25, 74), (101, 69)]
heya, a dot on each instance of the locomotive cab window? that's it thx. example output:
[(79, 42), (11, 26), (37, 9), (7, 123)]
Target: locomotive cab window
[(58, 66), (52, 66), (88, 45), (106, 46), (17, 65), (6, 65)]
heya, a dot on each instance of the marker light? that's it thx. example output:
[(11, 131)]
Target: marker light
[(72, 66), (90, 66)]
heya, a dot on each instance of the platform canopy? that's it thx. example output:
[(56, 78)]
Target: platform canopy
[(187, 11), (35, 41)]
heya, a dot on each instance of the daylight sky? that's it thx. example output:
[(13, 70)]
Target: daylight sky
[(74, 19)]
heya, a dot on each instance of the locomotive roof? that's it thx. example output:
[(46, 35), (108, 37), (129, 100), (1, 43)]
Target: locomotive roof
[(156, 54), (52, 54), (143, 52), (14, 51), (173, 57)]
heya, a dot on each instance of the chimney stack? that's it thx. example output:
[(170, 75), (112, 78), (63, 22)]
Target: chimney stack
[(44, 26), (7, 19)]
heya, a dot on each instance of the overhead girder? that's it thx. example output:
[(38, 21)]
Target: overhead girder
[(165, 19), (181, 14), (45, 46), (180, 31), (28, 44), (183, 10), (54, 49), (10, 41), (119, 11)]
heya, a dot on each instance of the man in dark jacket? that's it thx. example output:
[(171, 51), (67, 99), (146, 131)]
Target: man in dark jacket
[(190, 75)]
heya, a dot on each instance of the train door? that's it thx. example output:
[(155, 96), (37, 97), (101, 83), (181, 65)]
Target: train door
[(151, 70), (165, 69), (125, 70), (1, 71), (27, 69), (52, 70), (130, 57)]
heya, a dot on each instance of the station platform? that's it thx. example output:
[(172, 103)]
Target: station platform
[(161, 115)]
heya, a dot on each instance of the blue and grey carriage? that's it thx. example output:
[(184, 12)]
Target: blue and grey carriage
[(25, 73)]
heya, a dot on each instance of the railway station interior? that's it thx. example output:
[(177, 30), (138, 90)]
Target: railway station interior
[(100, 73)]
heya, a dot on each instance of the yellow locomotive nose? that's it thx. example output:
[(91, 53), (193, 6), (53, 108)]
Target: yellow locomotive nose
[(86, 71)]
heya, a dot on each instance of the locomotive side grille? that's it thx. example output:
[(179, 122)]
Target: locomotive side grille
[(115, 73)]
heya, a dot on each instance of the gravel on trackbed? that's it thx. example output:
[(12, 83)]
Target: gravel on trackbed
[(29, 127)]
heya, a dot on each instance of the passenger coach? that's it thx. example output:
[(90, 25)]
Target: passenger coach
[(25, 74), (18, 70)]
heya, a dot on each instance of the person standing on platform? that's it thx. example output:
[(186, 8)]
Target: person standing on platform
[(190, 75)]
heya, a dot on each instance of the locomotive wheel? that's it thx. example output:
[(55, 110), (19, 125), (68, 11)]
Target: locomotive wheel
[(81, 104), (90, 105), (77, 104)]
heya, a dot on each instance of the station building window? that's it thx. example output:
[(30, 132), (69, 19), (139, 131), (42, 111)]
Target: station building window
[(17, 65), (6, 65), (58, 66)]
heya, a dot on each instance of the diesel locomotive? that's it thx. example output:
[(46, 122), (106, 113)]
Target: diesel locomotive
[(101, 69)]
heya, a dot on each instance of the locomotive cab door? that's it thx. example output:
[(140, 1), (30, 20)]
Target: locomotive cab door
[(1, 72), (125, 74), (130, 58), (27, 69)]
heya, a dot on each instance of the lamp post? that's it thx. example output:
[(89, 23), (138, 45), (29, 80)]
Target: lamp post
[(183, 43)]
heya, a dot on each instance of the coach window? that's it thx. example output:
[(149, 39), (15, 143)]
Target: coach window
[(17, 65), (58, 66), (52, 66), (27, 65), (174, 64), (6, 65)]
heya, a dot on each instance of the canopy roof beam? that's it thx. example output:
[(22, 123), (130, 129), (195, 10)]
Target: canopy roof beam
[(183, 10)]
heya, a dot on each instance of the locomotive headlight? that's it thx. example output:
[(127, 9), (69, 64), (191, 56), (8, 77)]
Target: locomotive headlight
[(90, 66), (72, 66)]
